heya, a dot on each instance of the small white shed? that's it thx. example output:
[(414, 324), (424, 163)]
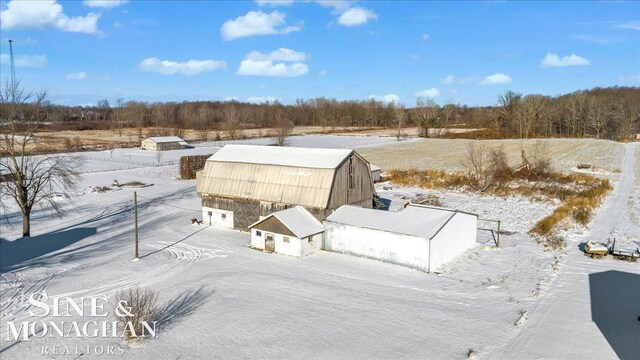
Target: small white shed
[(292, 231), (376, 172), (420, 237), (161, 143)]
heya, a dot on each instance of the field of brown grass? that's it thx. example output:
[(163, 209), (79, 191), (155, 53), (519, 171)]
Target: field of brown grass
[(448, 154)]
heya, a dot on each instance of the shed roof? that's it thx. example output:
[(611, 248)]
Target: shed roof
[(283, 156), (298, 220), (374, 167), (165, 139), (414, 220)]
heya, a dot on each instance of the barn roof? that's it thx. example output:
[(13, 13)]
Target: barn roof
[(283, 156), (414, 220), (165, 139), (298, 176), (298, 220)]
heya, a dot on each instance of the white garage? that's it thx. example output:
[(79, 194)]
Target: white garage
[(293, 231), (420, 237)]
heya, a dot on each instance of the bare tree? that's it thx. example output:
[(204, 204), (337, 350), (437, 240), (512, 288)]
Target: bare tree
[(400, 115), (449, 112), (283, 127), (142, 315), (508, 104), (427, 110), (476, 163), (232, 123), (31, 180)]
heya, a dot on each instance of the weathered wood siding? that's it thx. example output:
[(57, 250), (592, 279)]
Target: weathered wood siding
[(274, 225), (353, 184), (247, 212)]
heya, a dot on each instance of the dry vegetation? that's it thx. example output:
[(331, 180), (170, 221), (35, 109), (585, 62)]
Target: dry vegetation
[(142, 308), (487, 170)]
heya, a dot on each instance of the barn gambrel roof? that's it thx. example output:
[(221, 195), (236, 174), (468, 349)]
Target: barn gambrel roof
[(301, 176)]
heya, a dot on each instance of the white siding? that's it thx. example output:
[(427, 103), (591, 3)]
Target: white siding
[(456, 237), (291, 248), (257, 241), (296, 247), (149, 144), (381, 245), (216, 217), (311, 244)]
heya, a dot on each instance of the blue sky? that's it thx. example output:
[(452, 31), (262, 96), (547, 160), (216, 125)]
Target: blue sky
[(461, 52)]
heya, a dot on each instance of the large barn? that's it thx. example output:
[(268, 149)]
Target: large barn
[(242, 183), (421, 237)]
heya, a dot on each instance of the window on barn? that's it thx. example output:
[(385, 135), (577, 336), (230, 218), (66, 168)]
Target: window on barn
[(224, 216), (351, 180), (210, 213), (258, 233), (285, 239)]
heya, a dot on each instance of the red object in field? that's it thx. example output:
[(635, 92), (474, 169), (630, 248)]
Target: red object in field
[(194, 220)]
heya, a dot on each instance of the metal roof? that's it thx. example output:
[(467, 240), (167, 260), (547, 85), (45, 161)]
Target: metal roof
[(298, 220), (283, 156), (414, 220), (165, 139)]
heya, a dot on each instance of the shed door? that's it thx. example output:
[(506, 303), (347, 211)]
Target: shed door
[(269, 243)]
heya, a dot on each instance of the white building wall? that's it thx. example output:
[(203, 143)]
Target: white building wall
[(455, 238), (292, 248), (311, 244), (214, 217), (376, 175), (148, 145), (381, 245), (257, 241)]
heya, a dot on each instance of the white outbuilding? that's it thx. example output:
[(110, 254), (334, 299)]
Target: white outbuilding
[(162, 143), (293, 231), (376, 172), (419, 236)]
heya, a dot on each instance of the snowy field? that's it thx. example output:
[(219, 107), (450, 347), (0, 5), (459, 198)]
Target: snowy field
[(235, 302), (449, 154)]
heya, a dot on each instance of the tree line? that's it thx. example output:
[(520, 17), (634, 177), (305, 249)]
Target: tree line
[(604, 113)]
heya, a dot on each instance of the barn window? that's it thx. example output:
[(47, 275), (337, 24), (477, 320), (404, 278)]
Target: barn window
[(258, 233), (210, 213), (351, 182), (224, 216), (285, 239)]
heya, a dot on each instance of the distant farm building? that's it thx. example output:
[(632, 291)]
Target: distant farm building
[(293, 231), (162, 143), (241, 183), (638, 136), (376, 173), (421, 237)]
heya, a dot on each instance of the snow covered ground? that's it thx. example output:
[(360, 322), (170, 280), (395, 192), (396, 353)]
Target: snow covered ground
[(242, 303)]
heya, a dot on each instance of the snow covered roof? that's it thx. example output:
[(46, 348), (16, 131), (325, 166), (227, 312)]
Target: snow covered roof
[(284, 156), (298, 220), (374, 167), (166, 139), (414, 220)]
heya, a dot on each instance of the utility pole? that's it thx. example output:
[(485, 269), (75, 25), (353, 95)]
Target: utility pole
[(135, 204), (13, 71)]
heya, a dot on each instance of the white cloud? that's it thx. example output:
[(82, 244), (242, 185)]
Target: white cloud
[(190, 67), (279, 63), (262, 99), (631, 25), (430, 93), (274, 2), (553, 60), (322, 73), (77, 76), (447, 80), (43, 15), (32, 61), (356, 16), (256, 23), (424, 37), (630, 78), (389, 98), (104, 3), (282, 54), (450, 79), (497, 78), (231, 99), (337, 5)]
